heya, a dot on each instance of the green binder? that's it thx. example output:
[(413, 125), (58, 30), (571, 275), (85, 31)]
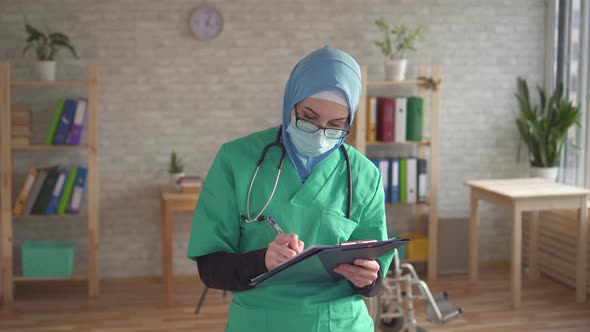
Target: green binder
[(403, 180), (54, 122), (67, 193), (414, 116)]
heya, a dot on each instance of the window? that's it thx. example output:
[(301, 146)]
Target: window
[(569, 34)]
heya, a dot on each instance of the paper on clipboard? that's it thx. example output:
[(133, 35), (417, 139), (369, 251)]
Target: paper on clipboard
[(316, 263)]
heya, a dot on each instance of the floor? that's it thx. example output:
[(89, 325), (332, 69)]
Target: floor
[(138, 305)]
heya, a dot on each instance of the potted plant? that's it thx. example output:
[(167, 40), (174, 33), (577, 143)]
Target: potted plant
[(544, 128), (396, 43), (46, 48), (176, 168)]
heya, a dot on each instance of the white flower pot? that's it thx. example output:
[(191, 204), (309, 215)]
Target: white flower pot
[(395, 70), (46, 70), (548, 173), (174, 178)]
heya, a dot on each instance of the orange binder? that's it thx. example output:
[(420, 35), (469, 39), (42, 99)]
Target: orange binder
[(24, 193), (371, 119)]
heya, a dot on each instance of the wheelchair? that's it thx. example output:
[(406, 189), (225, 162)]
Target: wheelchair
[(392, 309)]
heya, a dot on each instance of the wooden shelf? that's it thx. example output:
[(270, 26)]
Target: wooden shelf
[(50, 83), (425, 142), (83, 147), (30, 279), (90, 216), (426, 86), (390, 83), (51, 216)]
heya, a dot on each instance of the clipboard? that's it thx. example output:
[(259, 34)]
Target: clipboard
[(316, 264)]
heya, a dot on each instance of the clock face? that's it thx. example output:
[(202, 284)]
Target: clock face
[(206, 22)]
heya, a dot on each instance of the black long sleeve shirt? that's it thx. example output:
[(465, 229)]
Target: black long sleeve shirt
[(221, 270)]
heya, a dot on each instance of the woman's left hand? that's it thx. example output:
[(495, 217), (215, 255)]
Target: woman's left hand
[(362, 273)]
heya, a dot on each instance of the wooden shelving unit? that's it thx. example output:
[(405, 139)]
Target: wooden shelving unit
[(7, 84), (427, 83)]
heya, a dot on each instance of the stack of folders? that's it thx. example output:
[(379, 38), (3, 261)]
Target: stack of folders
[(404, 179), (189, 184), (52, 190), (68, 122), (394, 119)]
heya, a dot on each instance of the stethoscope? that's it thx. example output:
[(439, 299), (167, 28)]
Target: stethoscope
[(260, 217)]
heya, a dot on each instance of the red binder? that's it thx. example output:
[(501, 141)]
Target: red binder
[(385, 119)]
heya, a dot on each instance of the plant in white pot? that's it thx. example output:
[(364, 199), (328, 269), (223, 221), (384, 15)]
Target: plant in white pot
[(544, 128), (46, 45), (176, 168), (396, 43)]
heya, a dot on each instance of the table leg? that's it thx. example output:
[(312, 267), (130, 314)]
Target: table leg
[(167, 252), (473, 239), (534, 246), (581, 253), (515, 263)]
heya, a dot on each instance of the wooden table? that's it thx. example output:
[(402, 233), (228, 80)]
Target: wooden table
[(172, 200), (528, 194)]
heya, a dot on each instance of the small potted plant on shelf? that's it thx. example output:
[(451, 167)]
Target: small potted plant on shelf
[(396, 43), (544, 128), (46, 47), (176, 168)]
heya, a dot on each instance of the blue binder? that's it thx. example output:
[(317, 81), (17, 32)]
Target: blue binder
[(385, 168), (75, 204), (65, 122), (57, 191)]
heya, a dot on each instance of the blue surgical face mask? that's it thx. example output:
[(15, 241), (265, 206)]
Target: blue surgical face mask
[(310, 144)]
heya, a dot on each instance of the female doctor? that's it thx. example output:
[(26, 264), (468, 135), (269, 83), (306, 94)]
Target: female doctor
[(317, 189)]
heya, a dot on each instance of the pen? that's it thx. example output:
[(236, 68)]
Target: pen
[(274, 225)]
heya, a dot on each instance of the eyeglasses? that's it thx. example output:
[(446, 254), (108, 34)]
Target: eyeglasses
[(310, 127)]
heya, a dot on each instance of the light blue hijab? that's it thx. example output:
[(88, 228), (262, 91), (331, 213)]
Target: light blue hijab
[(327, 68)]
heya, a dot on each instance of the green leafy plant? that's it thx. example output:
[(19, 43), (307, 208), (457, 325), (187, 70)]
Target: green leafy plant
[(47, 45), (544, 127), (176, 164), (399, 40)]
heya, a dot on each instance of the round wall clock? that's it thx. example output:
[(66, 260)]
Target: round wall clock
[(205, 22)]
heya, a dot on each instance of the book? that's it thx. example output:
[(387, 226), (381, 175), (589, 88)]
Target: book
[(78, 123), (412, 180), (422, 180), (54, 122), (42, 200), (385, 119), (414, 111), (57, 191), (403, 181), (20, 116), (39, 180), (75, 204), (400, 119), (371, 119), (25, 192), (65, 122), (394, 176), (67, 191), (316, 264)]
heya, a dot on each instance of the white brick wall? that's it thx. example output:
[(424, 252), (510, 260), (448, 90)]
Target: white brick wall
[(162, 90)]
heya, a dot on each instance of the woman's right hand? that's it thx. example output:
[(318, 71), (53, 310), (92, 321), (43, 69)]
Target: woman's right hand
[(283, 247)]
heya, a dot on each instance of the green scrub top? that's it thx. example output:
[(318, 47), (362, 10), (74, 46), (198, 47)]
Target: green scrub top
[(314, 210)]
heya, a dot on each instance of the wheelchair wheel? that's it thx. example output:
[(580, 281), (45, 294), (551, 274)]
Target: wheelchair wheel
[(391, 324)]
